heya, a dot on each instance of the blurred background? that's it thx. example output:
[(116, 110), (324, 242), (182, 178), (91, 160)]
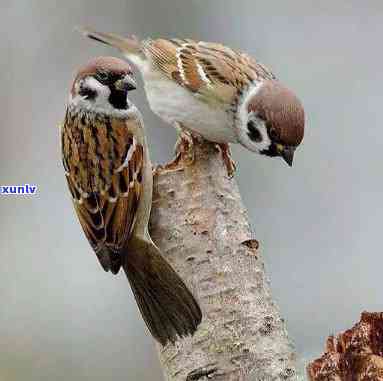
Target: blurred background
[(61, 316)]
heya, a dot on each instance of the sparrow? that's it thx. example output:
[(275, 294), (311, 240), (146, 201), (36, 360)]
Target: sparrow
[(211, 90), (109, 175)]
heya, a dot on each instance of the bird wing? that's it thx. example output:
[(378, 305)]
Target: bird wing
[(212, 72), (107, 196)]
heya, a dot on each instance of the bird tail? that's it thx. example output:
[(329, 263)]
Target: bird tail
[(129, 46), (167, 306)]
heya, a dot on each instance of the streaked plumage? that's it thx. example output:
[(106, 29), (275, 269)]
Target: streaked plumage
[(219, 93), (104, 167), (109, 175)]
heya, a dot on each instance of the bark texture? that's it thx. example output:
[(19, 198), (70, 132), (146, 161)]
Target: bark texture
[(199, 223), (354, 355)]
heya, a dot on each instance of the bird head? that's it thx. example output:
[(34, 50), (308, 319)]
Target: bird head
[(271, 120), (102, 86)]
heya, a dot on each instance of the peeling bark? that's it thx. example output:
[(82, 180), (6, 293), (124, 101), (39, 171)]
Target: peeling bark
[(199, 222), (354, 355)]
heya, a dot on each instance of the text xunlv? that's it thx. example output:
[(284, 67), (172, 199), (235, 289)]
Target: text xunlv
[(27, 189)]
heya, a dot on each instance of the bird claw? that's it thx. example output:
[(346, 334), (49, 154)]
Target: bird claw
[(185, 153), (156, 169), (230, 165), (184, 149)]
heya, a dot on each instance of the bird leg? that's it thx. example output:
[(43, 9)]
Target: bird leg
[(184, 150), (156, 169), (230, 165)]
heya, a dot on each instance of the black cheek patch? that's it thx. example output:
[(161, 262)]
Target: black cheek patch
[(88, 93), (253, 133)]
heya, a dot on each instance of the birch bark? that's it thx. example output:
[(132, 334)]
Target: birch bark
[(199, 222)]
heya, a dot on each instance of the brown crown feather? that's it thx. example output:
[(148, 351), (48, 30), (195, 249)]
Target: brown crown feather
[(107, 64), (282, 110)]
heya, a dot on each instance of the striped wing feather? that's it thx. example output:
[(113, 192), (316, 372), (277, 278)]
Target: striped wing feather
[(106, 189), (210, 71)]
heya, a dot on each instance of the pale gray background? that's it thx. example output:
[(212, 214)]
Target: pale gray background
[(319, 223)]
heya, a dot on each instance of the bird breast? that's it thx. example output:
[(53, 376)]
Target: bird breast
[(97, 153), (174, 104)]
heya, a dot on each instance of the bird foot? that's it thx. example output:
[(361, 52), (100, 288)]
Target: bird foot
[(230, 165), (184, 149), (156, 169)]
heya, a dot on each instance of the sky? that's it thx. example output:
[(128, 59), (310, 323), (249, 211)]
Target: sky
[(319, 223)]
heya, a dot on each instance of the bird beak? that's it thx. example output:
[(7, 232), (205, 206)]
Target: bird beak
[(125, 84), (287, 154)]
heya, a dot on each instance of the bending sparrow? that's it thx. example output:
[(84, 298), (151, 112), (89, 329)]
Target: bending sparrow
[(109, 174), (223, 95)]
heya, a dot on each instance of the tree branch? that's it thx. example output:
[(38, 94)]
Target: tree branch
[(202, 228)]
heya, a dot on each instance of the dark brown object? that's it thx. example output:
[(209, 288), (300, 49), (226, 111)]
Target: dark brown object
[(354, 355)]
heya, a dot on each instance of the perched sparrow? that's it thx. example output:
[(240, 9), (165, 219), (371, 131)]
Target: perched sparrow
[(214, 91), (109, 174)]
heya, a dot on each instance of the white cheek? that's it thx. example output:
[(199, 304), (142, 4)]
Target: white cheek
[(103, 92), (252, 145), (264, 144), (243, 117), (101, 99)]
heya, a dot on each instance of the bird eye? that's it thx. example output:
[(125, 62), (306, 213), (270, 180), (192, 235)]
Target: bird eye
[(102, 76), (272, 133), (261, 116), (254, 133)]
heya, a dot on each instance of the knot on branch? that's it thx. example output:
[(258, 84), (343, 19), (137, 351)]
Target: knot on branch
[(198, 374)]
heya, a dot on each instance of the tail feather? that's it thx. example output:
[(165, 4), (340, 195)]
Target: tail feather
[(127, 45), (167, 306), (152, 313), (158, 319)]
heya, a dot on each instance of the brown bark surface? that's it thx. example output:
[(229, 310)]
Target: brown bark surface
[(354, 355), (201, 226)]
